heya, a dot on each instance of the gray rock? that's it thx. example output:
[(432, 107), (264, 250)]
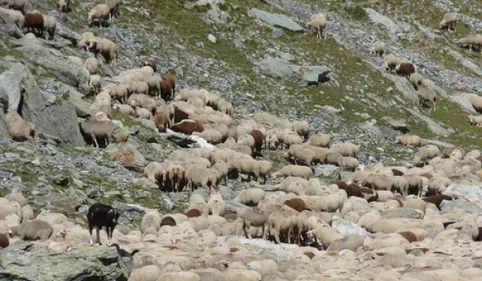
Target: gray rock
[(331, 171), (432, 125), (22, 262), (465, 104), (276, 20), (449, 206), (397, 124), (379, 18), (53, 61), (316, 74), (406, 213), (212, 38), (466, 191), (58, 119), (280, 68), (127, 154)]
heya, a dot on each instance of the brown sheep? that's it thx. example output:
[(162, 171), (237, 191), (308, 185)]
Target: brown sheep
[(166, 90), (34, 21), (258, 141), (149, 62), (172, 80), (168, 221), (397, 172), (342, 185), (180, 115), (405, 69), (193, 213), (20, 130), (187, 127), (160, 121), (4, 242), (296, 203), (410, 236), (437, 199)]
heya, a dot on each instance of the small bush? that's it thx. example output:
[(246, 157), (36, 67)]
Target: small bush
[(357, 13)]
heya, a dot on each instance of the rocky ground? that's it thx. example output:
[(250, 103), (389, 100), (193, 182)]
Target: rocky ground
[(261, 58)]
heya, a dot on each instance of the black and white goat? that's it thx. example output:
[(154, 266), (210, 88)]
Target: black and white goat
[(100, 215)]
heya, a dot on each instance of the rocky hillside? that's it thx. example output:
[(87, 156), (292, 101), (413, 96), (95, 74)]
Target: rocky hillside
[(261, 57)]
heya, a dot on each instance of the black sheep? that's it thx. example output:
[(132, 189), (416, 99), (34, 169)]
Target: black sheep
[(100, 215)]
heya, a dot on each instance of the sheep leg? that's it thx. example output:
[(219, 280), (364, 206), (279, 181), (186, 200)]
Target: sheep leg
[(97, 231), (95, 140), (91, 237), (244, 229)]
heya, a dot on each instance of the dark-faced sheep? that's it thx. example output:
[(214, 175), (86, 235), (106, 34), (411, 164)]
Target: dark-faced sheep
[(34, 22), (166, 90), (149, 62), (98, 130), (405, 69), (63, 5), (102, 47), (449, 21), (258, 141), (113, 7), (20, 130), (4, 242), (378, 48), (100, 215), (32, 230), (187, 127)]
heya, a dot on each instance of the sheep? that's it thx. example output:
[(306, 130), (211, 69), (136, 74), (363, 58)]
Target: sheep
[(50, 25), (427, 95), (63, 5), (294, 171), (250, 197), (187, 127), (405, 69), (18, 5), (378, 182), (252, 217), (348, 163), (100, 215), (27, 213), (290, 139), (100, 12), (325, 234), (264, 169), (323, 140), (4, 241), (98, 130), (471, 41), (390, 62), (278, 222), (32, 230), (225, 106), (378, 48), (416, 80), (409, 140), (15, 16), (171, 79), (149, 62), (258, 140), (425, 153), (205, 177), (437, 199), (216, 204), (34, 22), (302, 128), (151, 219), (347, 149), (211, 136), (318, 23), (295, 203), (175, 175), (144, 101), (400, 184), (103, 47), (91, 65), (114, 7), (95, 83), (166, 90), (475, 120), (223, 169), (142, 113), (149, 272), (20, 130), (298, 152), (449, 21)]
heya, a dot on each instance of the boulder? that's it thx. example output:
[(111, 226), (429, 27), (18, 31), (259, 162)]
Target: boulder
[(276, 20), (20, 261), (280, 68), (406, 213), (19, 88)]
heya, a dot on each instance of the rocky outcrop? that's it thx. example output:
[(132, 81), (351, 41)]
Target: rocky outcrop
[(19, 88), (21, 261), (276, 20)]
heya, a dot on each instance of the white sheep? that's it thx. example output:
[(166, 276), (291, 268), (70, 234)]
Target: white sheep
[(216, 204), (15, 16), (318, 23), (33, 230), (20, 130), (63, 5), (251, 196), (378, 48), (100, 12), (294, 171), (449, 21)]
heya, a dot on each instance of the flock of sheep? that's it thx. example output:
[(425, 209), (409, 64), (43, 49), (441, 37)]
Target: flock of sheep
[(296, 210)]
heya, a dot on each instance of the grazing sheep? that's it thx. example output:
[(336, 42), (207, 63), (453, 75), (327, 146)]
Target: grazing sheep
[(101, 13), (171, 79), (258, 140), (98, 130), (425, 153), (318, 23), (298, 152), (252, 217), (437, 199), (472, 41), (416, 80), (293, 171), (325, 234), (102, 47), (20, 130), (149, 62), (405, 69), (91, 65), (427, 95), (347, 149), (216, 204), (34, 22), (175, 175), (151, 219), (348, 163), (449, 21), (332, 158), (50, 25), (187, 127), (114, 7), (15, 16), (168, 220), (223, 169), (95, 83), (32, 230), (4, 241), (295, 203), (149, 272), (302, 128), (323, 140), (251, 196), (18, 5), (100, 215), (378, 182), (142, 113), (27, 213), (378, 48), (409, 140), (63, 5), (225, 106), (475, 120)]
